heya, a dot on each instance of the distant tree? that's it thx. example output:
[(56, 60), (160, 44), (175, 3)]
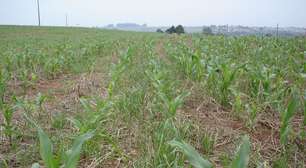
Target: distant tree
[(207, 30), (159, 31), (171, 30), (179, 29)]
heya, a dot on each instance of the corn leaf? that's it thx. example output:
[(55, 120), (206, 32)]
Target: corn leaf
[(192, 155), (286, 117), (45, 148), (73, 154), (242, 157)]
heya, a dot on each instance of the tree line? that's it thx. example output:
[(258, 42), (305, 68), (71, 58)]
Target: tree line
[(178, 30)]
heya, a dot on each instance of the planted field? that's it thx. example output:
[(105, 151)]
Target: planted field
[(76, 97)]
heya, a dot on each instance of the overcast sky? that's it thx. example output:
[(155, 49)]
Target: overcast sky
[(156, 12)]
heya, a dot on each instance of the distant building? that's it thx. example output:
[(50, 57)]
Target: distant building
[(110, 26), (129, 25)]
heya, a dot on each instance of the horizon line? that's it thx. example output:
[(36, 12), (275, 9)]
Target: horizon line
[(148, 26)]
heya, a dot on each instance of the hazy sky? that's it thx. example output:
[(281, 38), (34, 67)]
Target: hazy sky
[(156, 12)]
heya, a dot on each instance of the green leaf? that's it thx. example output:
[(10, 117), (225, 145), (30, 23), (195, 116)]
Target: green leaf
[(242, 157), (291, 109), (177, 102), (73, 154), (86, 105), (76, 123), (286, 117), (46, 149), (40, 99), (192, 155)]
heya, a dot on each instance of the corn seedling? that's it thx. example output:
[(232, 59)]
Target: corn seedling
[(252, 110), (242, 156), (3, 80), (30, 107), (166, 103), (286, 117), (24, 77), (220, 79), (96, 115), (40, 99), (172, 104), (118, 69), (163, 154), (71, 156), (227, 78), (195, 159), (7, 113), (237, 105)]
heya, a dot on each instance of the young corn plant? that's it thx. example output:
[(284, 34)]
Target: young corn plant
[(7, 113), (3, 81), (167, 129), (241, 158), (71, 156), (30, 107), (194, 158), (227, 79), (172, 104), (96, 115), (24, 77), (260, 83), (39, 100), (286, 117), (163, 153), (237, 105), (220, 80), (118, 69), (189, 61), (166, 103), (197, 66), (252, 110)]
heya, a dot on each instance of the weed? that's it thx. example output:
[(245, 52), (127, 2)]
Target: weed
[(208, 142)]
